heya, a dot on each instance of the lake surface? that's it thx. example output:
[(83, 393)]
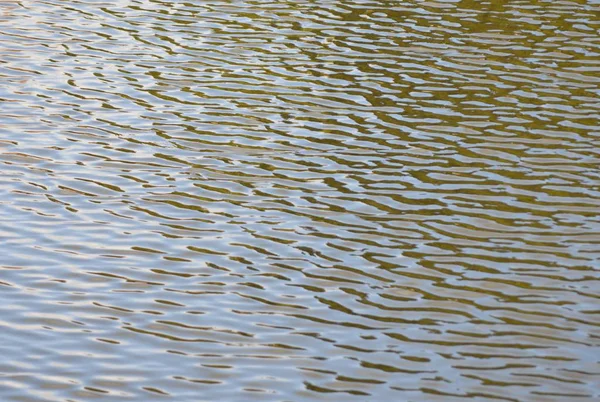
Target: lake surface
[(299, 200)]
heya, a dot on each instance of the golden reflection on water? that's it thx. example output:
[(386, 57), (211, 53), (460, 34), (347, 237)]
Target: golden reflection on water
[(295, 200)]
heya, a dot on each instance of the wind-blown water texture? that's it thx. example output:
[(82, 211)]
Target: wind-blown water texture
[(299, 200)]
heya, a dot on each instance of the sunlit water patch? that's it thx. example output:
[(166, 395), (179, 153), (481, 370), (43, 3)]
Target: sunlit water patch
[(299, 200)]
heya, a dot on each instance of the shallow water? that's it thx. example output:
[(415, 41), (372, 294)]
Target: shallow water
[(299, 200)]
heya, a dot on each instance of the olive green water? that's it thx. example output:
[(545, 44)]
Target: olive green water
[(299, 200)]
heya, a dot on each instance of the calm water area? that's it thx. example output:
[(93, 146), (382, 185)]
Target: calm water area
[(299, 200)]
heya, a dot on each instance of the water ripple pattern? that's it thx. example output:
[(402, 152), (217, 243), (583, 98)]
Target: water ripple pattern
[(260, 200)]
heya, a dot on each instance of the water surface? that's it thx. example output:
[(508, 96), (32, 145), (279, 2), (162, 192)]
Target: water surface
[(299, 200)]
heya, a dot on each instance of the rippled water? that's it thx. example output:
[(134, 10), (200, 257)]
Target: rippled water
[(299, 199)]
